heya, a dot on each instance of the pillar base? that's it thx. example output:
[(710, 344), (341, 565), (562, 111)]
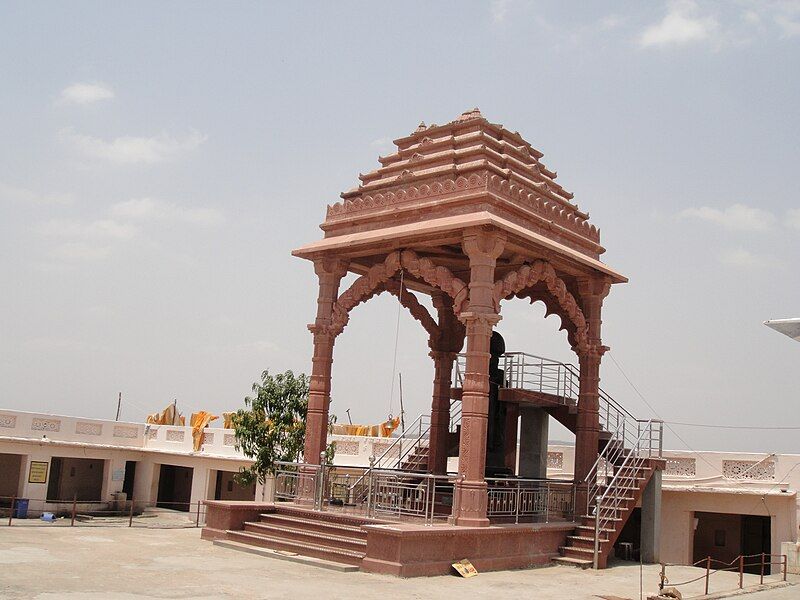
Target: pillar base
[(470, 510)]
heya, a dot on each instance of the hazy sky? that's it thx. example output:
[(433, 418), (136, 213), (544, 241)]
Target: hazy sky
[(161, 160)]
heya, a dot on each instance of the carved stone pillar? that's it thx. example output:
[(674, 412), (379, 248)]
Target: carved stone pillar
[(587, 435), (440, 411), (444, 349), (330, 273), (483, 248)]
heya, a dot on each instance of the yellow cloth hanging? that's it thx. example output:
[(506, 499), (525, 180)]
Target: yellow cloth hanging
[(227, 420), (168, 416), (198, 422), (384, 429)]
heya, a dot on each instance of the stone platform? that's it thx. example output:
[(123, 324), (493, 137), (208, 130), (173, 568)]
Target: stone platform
[(404, 549)]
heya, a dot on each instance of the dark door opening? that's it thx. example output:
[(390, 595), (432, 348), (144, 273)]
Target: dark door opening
[(724, 537), (174, 487), (130, 476), (755, 540)]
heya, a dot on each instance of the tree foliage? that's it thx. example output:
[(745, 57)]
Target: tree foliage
[(272, 426)]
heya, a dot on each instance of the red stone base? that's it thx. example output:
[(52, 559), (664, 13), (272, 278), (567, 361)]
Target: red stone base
[(222, 515), (407, 550)]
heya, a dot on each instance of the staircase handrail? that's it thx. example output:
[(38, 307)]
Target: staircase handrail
[(636, 458)]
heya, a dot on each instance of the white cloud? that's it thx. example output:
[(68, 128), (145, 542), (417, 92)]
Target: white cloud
[(681, 25), (499, 10), (84, 251), (85, 93), (127, 150), (736, 217), (145, 209), (788, 26), (793, 218), (98, 229), (10, 193), (741, 258)]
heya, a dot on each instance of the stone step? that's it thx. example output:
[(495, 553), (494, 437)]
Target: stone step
[(578, 541), (326, 527), (580, 563), (304, 535), (331, 553), (290, 557), (574, 552), (583, 529), (329, 516)]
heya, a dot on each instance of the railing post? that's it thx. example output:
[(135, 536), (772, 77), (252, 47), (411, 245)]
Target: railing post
[(516, 504), (596, 557), (741, 570), (708, 572), (547, 503), (74, 503), (785, 563), (13, 505), (369, 486), (130, 515), (762, 569)]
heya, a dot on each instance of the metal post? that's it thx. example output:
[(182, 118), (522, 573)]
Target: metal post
[(762, 569), (741, 570), (197, 523), (130, 516), (547, 504), (663, 577), (74, 502), (708, 572), (11, 513), (596, 558), (369, 486), (516, 504), (321, 480), (785, 561)]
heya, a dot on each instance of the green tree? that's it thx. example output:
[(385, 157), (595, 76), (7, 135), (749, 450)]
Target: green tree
[(272, 425)]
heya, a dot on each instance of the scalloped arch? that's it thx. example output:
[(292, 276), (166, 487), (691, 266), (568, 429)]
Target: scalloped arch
[(378, 279), (542, 271)]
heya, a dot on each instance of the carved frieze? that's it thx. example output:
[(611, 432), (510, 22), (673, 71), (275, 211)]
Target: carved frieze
[(123, 431), (38, 424), (85, 428), (9, 421)]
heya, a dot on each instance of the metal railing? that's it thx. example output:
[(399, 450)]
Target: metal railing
[(17, 511), (763, 561), (616, 472), (560, 380), (533, 500), (370, 492)]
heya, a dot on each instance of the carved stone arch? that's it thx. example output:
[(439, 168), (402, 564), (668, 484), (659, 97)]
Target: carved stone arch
[(369, 284), (542, 271)]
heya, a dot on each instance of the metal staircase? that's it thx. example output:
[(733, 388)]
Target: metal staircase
[(629, 449)]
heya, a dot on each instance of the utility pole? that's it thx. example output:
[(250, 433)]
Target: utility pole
[(348, 416), (119, 405)]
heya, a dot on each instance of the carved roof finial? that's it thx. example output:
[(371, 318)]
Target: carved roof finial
[(420, 127), (468, 115)]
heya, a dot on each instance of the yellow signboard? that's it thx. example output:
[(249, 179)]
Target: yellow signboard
[(37, 472), (465, 568)]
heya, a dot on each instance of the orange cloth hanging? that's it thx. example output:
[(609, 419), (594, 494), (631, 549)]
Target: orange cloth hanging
[(168, 416), (198, 422)]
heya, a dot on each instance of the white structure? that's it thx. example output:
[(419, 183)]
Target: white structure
[(714, 503), (790, 327), (53, 459)]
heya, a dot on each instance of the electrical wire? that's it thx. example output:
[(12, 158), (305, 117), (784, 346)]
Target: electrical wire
[(396, 340)]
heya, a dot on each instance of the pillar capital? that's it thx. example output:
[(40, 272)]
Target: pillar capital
[(330, 266), (480, 243), (481, 322), (594, 287)]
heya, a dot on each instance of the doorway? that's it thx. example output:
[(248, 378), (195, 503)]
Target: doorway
[(174, 487)]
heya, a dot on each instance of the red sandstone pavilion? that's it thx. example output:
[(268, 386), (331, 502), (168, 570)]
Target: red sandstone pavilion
[(467, 214)]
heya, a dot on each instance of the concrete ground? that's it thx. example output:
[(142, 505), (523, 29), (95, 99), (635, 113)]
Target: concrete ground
[(117, 563)]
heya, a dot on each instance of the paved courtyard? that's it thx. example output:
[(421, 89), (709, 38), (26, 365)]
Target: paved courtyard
[(117, 563)]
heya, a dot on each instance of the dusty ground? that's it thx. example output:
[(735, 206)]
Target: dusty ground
[(117, 563)]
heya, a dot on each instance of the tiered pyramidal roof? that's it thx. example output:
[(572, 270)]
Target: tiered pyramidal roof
[(468, 165)]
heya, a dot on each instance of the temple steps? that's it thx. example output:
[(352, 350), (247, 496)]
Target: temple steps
[(334, 537), (308, 536), (581, 563), (324, 552)]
